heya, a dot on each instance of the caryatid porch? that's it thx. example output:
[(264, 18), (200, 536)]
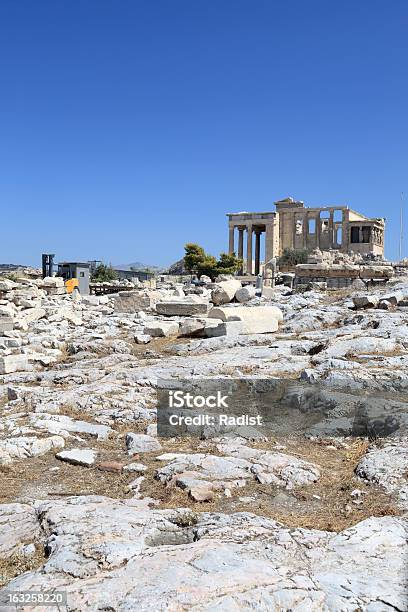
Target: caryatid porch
[(245, 230)]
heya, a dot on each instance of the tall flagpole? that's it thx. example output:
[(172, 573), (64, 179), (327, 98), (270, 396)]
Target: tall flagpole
[(401, 226)]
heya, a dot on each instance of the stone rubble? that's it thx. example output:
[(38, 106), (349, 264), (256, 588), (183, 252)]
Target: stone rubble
[(202, 474), (78, 381), (388, 466)]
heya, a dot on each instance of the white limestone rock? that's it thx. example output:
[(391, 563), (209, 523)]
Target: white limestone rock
[(205, 279), (151, 430), (239, 464), (7, 285), (142, 338), (135, 467), (135, 485), (274, 467), (192, 327), (186, 307), (134, 301), (78, 456), (6, 322), (387, 466), (155, 559), (53, 281), (244, 294), (72, 316), (366, 301), (19, 526), (358, 345), (91, 300), (141, 443), (240, 313), (225, 291), (24, 447), (61, 424), (358, 285), (29, 316), (214, 328), (161, 329), (13, 363), (256, 320)]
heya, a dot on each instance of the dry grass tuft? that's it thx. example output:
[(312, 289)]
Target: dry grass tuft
[(18, 564)]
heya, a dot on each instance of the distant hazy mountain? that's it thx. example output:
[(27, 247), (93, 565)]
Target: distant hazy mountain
[(178, 267), (138, 265), (11, 266)]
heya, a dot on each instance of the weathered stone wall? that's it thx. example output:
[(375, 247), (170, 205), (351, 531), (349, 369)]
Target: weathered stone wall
[(339, 276)]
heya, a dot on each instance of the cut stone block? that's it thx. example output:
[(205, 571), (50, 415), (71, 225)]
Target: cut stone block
[(13, 363), (53, 281), (214, 328), (133, 301), (183, 308), (257, 320), (242, 313), (192, 327), (161, 329), (6, 323), (56, 290), (33, 314)]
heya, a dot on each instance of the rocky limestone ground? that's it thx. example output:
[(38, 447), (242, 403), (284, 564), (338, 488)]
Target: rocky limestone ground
[(94, 503)]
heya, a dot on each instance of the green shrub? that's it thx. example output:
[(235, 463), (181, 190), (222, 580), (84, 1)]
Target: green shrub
[(292, 257), (104, 273)]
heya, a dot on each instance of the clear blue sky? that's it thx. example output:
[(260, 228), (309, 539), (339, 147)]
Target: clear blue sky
[(129, 127)]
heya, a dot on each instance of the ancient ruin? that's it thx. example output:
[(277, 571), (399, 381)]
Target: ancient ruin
[(98, 504), (294, 226)]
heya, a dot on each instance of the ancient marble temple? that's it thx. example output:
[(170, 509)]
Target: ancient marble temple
[(295, 226)]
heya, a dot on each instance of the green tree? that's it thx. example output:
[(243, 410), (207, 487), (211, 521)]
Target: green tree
[(104, 273), (207, 266), (228, 263), (194, 256), (197, 261)]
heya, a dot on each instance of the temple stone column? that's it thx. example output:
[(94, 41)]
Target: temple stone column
[(269, 242), (305, 229), (249, 250), (293, 230), (240, 242), (257, 250), (241, 247), (331, 230), (231, 240), (345, 232)]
